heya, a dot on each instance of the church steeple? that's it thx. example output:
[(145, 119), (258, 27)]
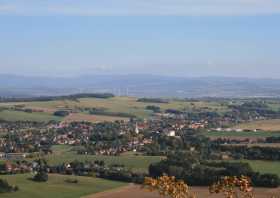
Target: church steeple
[(136, 128)]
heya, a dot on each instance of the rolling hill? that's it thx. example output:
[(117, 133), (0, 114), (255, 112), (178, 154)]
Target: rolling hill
[(139, 85)]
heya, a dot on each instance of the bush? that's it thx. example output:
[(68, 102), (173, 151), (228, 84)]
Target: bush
[(153, 108), (61, 113), (41, 172), (5, 187), (41, 176), (153, 100), (71, 181), (265, 180), (203, 173)]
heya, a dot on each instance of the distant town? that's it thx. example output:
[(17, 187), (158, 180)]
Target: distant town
[(208, 135)]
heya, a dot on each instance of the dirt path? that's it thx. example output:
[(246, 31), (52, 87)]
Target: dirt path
[(128, 191), (133, 191), (91, 118)]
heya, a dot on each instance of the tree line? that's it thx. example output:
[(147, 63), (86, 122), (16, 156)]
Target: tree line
[(51, 98), (188, 167)]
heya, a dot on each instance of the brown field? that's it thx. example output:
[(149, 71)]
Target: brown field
[(201, 192), (238, 138), (271, 145), (123, 104), (43, 109), (266, 125), (92, 118)]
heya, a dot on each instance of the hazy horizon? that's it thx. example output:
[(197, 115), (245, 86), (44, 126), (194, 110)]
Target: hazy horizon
[(179, 38), (137, 74)]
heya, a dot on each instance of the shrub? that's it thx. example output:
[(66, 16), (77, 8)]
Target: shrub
[(6, 187), (153, 108), (41, 172), (41, 176), (71, 181), (61, 113)]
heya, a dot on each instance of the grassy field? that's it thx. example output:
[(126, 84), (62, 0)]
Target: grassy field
[(224, 134), (139, 163), (200, 192), (92, 118), (262, 166), (266, 125), (265, 166), (270, 145), (63, 153), (19, 115), (127, 105), (57, 187)]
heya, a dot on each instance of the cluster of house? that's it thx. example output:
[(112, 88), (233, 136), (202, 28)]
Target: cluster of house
[(198, 125), (169, 127), (33, 139), (12, 168), (234, 130), (66, 139)]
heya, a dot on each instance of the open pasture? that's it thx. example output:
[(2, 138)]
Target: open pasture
[(57, 187), (8, 115), (261, 166), (200, 192), (92, 118), (268, 145), (128, 105), (63, 154), (265, 125), (240, 135)]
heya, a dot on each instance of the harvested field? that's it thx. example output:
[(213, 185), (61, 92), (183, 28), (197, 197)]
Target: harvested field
[(238, 138), (92, 118), (269, 145), (265, 125), (43, 109), (241, 135), (9, 115), (128, 105), (201, 192)]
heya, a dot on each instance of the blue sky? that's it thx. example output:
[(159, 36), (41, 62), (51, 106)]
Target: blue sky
[(168, 37)]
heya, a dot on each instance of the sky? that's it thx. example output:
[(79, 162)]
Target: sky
[(237, 38)]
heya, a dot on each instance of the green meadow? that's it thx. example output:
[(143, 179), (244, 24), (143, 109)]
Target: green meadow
[(128, 105), (265, 166), (265, 125), (9, 115), (63, 154), (57, 187), (259, 134)]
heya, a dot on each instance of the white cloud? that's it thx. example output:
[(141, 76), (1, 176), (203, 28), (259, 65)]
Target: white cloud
[(139, 7)]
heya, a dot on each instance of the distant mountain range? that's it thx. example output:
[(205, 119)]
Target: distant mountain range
[(139, 85)]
